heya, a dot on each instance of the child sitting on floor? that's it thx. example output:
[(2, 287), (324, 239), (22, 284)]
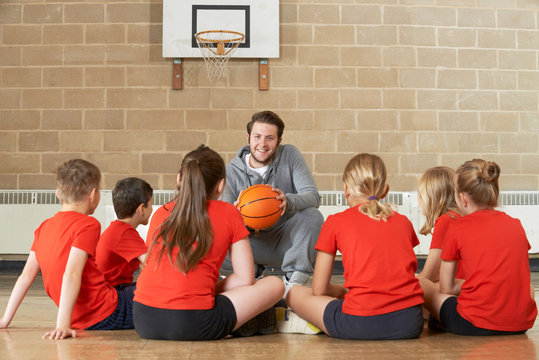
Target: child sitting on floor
[(64, 250), (179, 295), (121, 250), (436, 195), (492, 247), (381, 297)]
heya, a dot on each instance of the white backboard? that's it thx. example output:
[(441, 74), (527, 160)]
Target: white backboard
[(257, 19)]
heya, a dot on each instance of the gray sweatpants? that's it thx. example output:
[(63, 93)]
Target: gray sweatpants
[(289, 246)]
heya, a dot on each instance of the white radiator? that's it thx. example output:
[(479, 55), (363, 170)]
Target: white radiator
[(21, 212)]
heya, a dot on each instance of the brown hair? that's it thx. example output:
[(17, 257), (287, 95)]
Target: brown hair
[(365, 176), (128, 194), (267, 117), (188, 227), (436, 193), (479, 179), (75, 179)]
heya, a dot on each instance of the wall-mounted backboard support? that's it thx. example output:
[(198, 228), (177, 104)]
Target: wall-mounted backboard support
[(257, 19), (177, 74)]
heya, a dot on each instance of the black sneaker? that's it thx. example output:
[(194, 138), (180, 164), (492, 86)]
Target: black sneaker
[(262, 324)]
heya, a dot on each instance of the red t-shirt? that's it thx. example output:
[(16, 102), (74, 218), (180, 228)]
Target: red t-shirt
[(117, 253), (493, 249), (440, 233), (158, 217), (53, 241), (162, 285), (378, 259)]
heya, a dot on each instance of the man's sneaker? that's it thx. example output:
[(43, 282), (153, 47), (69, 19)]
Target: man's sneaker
[(297, 278), (262, 324), (289, 322)]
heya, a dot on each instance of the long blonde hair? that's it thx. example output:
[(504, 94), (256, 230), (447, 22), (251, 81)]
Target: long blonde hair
[(436, 193), (479, 179), (366, 179), (188, 227)]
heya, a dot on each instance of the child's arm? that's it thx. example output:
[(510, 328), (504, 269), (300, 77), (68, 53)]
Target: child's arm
[(322, 276), (431, 269), (71, 283), (448, 283), (142, 259), (242, 261), (27, 277)]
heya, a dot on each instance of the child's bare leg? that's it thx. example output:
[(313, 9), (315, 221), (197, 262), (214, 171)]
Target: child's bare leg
[(250, 301), (432, 296), (309, 307)]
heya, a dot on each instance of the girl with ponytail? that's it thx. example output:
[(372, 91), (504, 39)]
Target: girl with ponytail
[(178, 295), (496, 297), (381, 297)]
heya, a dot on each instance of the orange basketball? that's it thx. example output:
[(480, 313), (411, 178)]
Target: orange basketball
[(259, 207)]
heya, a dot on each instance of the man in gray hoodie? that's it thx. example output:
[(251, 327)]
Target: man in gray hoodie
[(290, 242)]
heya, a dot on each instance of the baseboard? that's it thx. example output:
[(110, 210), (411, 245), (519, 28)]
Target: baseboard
[(16, 266)]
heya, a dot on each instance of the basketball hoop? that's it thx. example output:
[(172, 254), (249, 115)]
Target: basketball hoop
[(217, 47)]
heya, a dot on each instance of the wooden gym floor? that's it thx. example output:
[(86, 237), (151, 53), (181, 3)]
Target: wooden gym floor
[(37, 313)]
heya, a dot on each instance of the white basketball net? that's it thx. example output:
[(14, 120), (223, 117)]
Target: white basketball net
[(217, 47)]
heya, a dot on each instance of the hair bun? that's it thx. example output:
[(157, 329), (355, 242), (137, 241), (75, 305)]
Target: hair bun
[(490, 171)]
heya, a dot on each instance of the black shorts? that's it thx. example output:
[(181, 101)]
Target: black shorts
[(451, 319), (401, 324), (188, 325), (122, 317)]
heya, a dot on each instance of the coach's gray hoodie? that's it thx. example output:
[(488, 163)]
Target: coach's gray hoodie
[(287, 172)]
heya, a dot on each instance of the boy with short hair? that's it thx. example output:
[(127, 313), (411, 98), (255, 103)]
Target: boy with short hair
[(64, 250), (121, 250)]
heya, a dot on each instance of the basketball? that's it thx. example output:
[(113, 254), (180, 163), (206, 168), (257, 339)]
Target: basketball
[(259, 207)]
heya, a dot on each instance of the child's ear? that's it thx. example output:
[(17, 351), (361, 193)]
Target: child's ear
[(93, 194), (140, 210), (464, 199), (178, 179), (220, 187)]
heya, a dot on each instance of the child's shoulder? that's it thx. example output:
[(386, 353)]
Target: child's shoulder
[(166, 208), (70, 218), (447, 218), (118, 227), (221, 205), (488, 216)]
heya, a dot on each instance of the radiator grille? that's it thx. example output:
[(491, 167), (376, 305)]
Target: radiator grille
[(337, 198), (163, 197), (34, 197), (328, 198), (519, 198)]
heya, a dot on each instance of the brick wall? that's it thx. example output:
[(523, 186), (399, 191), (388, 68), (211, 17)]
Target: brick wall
[(420, 82)]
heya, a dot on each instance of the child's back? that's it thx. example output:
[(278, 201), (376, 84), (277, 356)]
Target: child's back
[(381, 297), (118, 250), (178, 295), (378, 260), (121, 250), (496, 297), (494, 252), (161, 285), (64, 250), (52, 245)]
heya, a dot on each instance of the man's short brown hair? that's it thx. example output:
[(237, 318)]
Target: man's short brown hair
[(266, 117)]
